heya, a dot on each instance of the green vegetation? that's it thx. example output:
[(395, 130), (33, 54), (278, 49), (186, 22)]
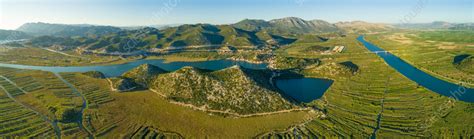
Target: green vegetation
[(367, 99), (294, 63), (18, 121), (466, 64), (45, 95), (232, 90), (143, 74), (41, 57), (353, 103), (433, 51), (447, 36), (131, 114), (13, 35), (94, 74)]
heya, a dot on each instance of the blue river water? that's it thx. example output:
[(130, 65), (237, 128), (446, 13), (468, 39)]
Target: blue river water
[(119, 69), (301, 89), (445, 88), (304, 90)]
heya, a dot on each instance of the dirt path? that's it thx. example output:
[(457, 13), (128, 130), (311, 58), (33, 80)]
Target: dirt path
[(59, 52), (232, 113), (379, 116), (13, 83), (84, 103)]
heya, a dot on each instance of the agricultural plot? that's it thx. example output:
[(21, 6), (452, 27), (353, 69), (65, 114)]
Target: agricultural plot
[(405, 109), (96, 93), (433, 52), (47, 95), (152, 133), (19, 120)]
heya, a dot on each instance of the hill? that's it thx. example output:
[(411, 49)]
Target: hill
[(233, 90), (464, 63), (333, 70), (246, 34), (197, 36), (10, 35), (143, 74)]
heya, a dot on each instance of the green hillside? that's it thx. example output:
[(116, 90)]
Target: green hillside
[(233, 90)]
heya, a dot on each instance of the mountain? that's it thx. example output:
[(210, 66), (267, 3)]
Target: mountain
[(463, 26), (64, 42), (363, 27), (194, 36), (252, 24), (432, 25), (288, 25), (234, 90), (298, 25), (65, 30), (13, 35), (246, 34)]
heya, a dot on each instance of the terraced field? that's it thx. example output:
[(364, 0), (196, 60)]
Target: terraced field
[(432, 51), (380, 102), (18, 119), (94, 94), (96, 122), (144, 113), (150, 132), (47, 95), (376, 101)]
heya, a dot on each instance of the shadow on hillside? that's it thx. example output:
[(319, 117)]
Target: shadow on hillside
[(459, 58)]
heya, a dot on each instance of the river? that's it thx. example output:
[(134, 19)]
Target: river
[(426, 80), (313, 88)]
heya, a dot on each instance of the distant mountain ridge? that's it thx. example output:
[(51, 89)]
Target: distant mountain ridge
[(287, 25), (434, 25), (63, 30), (362, 27), (246, 34)]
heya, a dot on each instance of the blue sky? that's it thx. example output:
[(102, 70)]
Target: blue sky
[(14, 13)]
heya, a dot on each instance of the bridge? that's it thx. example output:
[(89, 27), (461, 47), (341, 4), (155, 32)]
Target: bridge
[(380, 52)]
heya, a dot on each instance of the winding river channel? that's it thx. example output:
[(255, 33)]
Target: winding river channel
[(445, 88), (314, 87)]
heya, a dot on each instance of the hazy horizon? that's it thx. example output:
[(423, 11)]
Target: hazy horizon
[(125, 13)]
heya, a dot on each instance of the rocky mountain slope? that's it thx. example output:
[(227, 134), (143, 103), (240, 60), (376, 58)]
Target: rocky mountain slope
[(246, 34), (288, 25), (363, 27), (232, 90)]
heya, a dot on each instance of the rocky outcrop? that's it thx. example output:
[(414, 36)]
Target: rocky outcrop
[(235, 90)]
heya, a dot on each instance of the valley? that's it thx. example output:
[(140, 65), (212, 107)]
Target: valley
[(282, 78)]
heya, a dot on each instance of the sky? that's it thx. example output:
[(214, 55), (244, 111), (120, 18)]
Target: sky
[(14, 13)]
